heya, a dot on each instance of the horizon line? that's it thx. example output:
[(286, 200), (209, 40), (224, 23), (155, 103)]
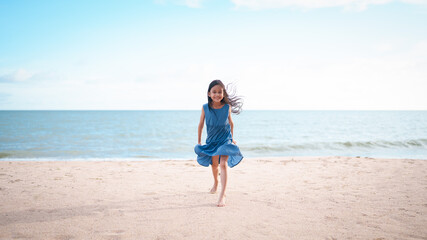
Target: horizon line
[(3, 110)]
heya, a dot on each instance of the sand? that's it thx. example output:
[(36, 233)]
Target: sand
[(267, 198)]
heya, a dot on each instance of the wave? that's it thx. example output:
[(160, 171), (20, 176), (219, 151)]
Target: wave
[(379, 144), (4, 155), (91, 159)]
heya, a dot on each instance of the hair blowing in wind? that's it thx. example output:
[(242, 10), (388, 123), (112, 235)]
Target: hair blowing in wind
[(230, 97)]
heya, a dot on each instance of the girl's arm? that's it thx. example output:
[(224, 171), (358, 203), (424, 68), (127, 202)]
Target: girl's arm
[(201, 123), (231, 125)]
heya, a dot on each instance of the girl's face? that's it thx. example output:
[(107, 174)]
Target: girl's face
[(216, 93)]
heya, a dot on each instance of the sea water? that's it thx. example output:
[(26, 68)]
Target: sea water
[(156, 135)]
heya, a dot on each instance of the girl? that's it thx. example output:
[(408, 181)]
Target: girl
[(220, 146)]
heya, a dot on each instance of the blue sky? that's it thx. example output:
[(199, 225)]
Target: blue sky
[(281, 54)]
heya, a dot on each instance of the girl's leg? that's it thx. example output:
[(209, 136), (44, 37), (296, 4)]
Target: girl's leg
[(223, 166), (215, 173)]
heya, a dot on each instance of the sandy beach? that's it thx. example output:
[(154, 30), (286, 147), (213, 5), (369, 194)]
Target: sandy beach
[(267, 198)]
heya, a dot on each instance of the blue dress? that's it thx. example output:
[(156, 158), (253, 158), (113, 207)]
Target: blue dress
[(219, 139)]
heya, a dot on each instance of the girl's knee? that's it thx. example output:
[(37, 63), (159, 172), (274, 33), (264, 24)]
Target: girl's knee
[(215, 160), (223, 162)]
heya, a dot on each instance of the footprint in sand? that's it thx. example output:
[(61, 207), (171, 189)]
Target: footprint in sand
[(96, 178), (150, 193), (331, 218), (191, 164), (64, 237), (284, 162), (14, 181), (21, 236)]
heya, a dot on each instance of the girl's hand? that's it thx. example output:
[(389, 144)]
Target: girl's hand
[(233, 141)]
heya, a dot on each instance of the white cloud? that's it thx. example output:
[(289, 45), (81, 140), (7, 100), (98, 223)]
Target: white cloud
[(415, 1), (306, 4), (193, 3), (167, 86), (19, 75), (188, 3), (420, 49), (390, 81), (22, 75), (384, 47), (394, 81)]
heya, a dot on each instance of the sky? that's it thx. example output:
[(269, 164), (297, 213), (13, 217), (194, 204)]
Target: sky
[(162, 54)]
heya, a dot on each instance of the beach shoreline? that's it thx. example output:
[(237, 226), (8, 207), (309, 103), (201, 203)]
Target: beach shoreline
[(267, 198)]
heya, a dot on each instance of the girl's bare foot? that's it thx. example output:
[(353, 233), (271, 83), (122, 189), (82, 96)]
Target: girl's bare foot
[(214, 188), (221, 201)]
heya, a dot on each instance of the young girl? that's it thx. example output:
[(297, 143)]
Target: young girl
[(220, 146)]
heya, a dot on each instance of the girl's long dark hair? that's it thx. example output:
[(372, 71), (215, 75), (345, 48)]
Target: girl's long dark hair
[(230, 97)]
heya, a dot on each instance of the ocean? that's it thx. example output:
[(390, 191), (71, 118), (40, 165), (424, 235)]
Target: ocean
[(157, 135)]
